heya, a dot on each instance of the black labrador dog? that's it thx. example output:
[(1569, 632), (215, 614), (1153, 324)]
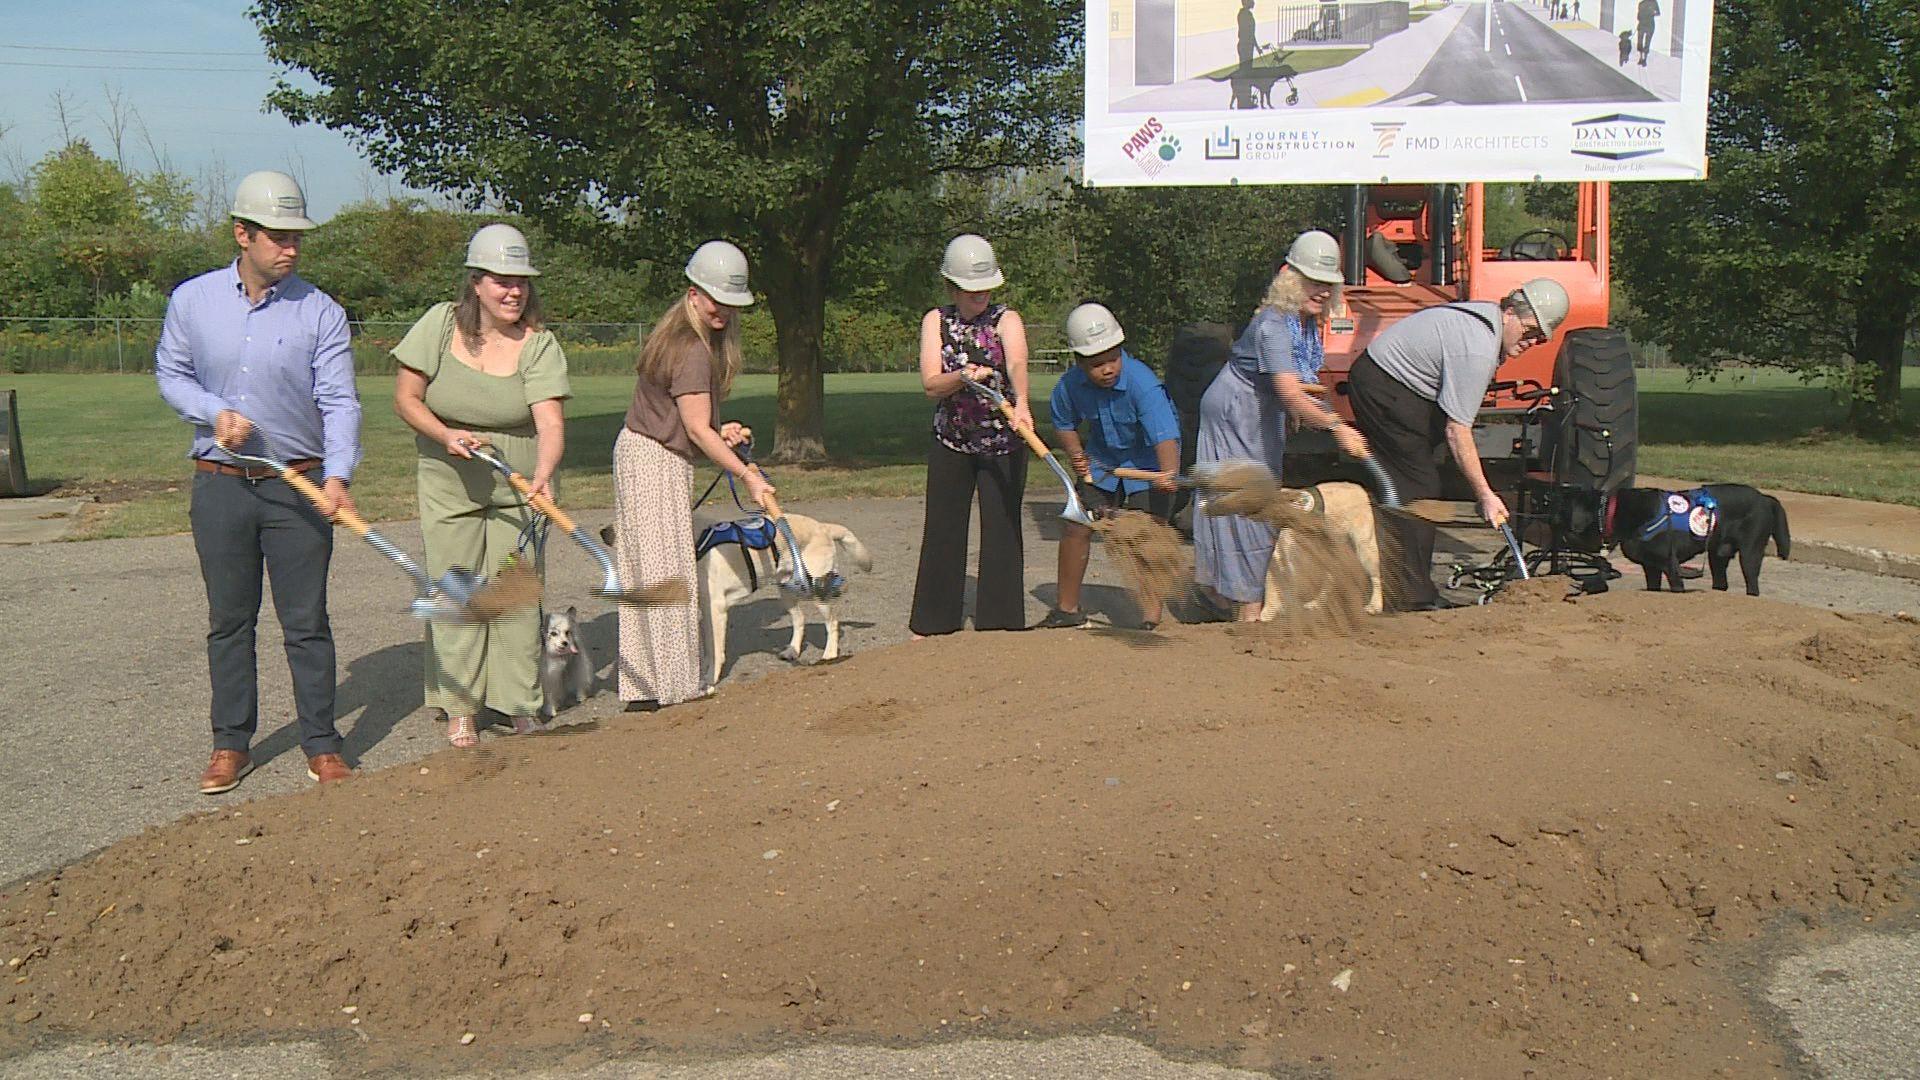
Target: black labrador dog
[(1662, 529)]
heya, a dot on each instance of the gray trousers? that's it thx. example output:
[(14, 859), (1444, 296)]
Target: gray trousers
[(241, 526)]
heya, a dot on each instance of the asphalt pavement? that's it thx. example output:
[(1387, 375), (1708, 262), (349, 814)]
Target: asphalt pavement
[(1521, 60)]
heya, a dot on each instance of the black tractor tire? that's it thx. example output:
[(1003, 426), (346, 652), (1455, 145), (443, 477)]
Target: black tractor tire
[(1596, 433), (1196, 354)]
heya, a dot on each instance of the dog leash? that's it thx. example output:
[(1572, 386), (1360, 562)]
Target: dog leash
[(732, 488), (801, 580)]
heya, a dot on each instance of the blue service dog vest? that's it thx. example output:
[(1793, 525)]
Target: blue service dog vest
[(759, 534), (752, 534), (1694, 512)]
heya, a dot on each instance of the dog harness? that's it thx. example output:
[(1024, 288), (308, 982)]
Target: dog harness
[(761, 534), (751, 534), (1695, 512)]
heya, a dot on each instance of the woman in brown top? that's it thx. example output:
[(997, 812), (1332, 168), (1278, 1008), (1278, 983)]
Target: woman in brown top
[(686, 366)]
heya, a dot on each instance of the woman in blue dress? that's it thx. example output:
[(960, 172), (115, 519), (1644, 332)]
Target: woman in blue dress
[(1245, 413)]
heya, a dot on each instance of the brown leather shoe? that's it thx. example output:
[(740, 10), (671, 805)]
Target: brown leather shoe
[(224, 771), (328, 768)]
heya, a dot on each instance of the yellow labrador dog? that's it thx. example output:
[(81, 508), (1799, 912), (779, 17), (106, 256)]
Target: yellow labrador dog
[(1349, 516), (733, 566)]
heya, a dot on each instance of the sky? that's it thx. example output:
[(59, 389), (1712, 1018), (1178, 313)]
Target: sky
[(195, 73)]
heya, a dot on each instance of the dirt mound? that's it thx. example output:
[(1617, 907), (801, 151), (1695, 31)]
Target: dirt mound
[(1860, 647), (1388, 854), (1534, 592)]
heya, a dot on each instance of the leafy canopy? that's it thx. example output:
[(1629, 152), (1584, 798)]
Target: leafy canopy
[(1799, 250)]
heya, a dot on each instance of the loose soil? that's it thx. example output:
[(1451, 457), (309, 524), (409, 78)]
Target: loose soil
[(1323, 587), (1505, 840), (1153, 562)]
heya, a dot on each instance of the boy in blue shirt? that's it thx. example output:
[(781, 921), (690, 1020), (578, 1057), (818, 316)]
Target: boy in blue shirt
[(1130, 422)]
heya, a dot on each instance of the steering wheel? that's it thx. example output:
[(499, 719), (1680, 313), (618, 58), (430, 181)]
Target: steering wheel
[(1519, 248)]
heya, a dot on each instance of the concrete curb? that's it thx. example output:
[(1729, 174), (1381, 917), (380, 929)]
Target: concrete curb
[(1849, 557)]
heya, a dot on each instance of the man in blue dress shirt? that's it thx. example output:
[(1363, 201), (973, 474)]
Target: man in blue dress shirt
[(257, 359), (1130, 423)]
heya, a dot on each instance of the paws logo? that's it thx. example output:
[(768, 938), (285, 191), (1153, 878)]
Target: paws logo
[(1151, 147)]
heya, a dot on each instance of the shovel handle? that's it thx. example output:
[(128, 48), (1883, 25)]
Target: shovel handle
[(541, 503), (1038, 444), (344, 515), (768, 504)]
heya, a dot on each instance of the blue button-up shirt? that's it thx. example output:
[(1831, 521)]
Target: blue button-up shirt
[(284, 363), (1123, 423)]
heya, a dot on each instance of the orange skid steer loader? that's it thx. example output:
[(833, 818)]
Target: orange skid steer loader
[(1558, 429)]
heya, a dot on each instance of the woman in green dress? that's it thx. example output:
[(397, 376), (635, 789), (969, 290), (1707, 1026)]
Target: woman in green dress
[(483, 370)]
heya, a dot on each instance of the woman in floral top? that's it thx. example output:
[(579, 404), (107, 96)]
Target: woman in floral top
[(974, 448)]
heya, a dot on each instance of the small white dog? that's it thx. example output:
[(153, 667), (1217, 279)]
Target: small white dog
[(1349, 515), (730, 572), (566, 669)]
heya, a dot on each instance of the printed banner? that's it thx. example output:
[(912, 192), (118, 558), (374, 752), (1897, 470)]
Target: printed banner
[(1391, 91)]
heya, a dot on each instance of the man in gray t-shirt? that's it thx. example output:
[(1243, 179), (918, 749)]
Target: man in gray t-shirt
[(1446, 354), (1419, 384)]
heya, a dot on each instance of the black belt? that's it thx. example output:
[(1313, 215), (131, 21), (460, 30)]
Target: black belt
[(254, 472)]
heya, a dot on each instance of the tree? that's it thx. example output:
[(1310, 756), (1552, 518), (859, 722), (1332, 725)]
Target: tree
[(1799, 250), (86, 216), (1160, 257), (648, 126)]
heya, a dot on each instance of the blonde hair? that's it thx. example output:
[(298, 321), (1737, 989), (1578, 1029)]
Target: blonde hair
[(466, 312), (674, 335), (1287, 292)]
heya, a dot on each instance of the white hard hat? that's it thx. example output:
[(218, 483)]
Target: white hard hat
[(1547, 300), (1316, 255), (271, 200), (501, 249), (1092, 330), (970, 265), (721, 269)]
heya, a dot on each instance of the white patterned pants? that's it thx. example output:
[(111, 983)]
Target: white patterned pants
[(653, 542)]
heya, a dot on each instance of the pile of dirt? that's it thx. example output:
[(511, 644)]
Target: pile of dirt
[(1500, 840), (1534, 592)]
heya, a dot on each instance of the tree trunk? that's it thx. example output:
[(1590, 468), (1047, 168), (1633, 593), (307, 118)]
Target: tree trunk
[(1881, 338), (797, 296)]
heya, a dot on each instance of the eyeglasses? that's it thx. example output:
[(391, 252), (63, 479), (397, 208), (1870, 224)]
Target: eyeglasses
[(1532, 336)]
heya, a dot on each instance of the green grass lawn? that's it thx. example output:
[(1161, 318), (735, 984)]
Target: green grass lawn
[(111, 435), (1768, 429)]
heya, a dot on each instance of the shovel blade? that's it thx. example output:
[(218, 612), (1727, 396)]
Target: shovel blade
[(1406, 559), (1074, 512)]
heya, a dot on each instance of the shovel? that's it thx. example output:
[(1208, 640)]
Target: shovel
[(672, 591), (1390, 501), (801, 580), (456, 595), (1074, 512)]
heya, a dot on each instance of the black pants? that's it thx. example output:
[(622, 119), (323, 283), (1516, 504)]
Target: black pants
[(239, 526), (1406, 433), (939, 592)]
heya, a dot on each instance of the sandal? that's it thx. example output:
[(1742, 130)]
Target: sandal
[(460, 732), (525, 725)]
